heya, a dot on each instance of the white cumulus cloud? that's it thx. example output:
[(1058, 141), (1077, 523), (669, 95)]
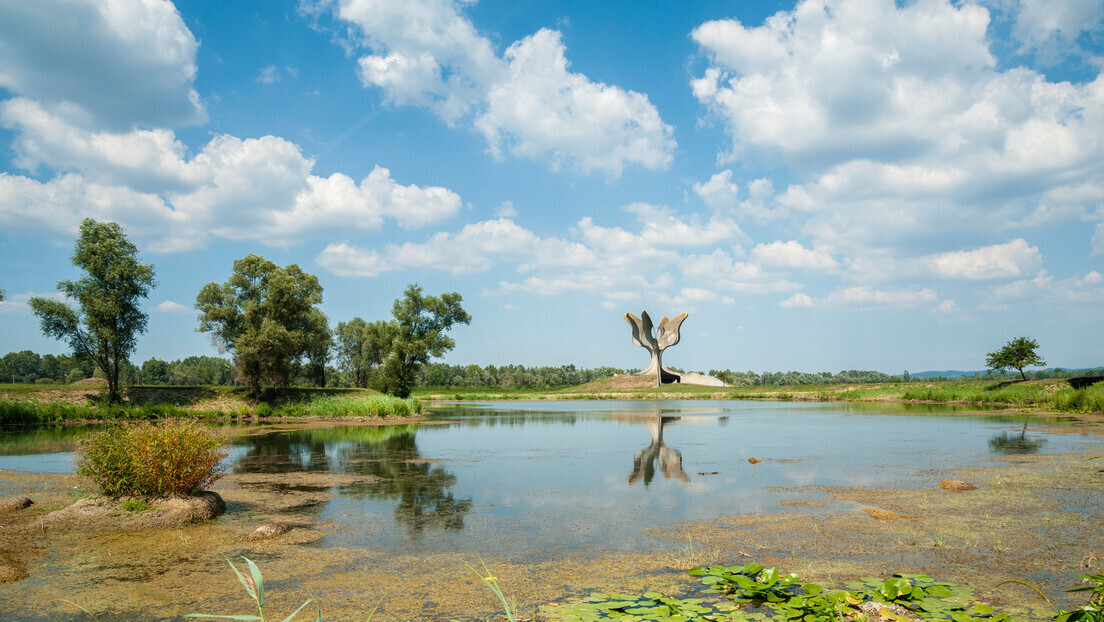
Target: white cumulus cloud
[(1010, 260), (110, 64), (525, 102)]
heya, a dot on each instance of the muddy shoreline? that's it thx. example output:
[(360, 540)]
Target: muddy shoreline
[(1032, 517)]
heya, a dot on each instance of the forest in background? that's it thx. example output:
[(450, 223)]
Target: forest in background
[(27, 367)]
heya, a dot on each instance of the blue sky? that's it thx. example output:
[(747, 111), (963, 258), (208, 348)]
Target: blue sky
[(824, 185)]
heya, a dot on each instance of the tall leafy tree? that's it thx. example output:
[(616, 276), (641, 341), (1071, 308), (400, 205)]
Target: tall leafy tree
[(318, 347), (1016, 354), (265, 315), (417, 334), (105, 326), (362, 347), (351, 338)]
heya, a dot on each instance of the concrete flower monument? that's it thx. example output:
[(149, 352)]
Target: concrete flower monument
[(656, 339)]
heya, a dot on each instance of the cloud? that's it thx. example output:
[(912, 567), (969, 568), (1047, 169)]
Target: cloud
[(526, 102), (256, 189), (17, 303), (898, 124), (724, 272), (1001, 261), (475, 248), (168, 306), (793, 255), (835, 79), (1052, 29), (719, 193), (797, 301), (268, 75), (114, 64), (1098, 239), (863, 297), (541, 110), (1019, 290)]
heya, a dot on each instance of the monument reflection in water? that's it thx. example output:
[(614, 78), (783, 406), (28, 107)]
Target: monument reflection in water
[(670, 460)]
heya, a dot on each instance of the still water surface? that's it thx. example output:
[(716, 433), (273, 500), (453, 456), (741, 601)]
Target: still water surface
[(535, 478)]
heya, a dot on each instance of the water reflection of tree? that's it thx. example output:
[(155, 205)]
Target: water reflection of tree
[(388, 453), (282, 452), (644, 461), (1015, 444), (420, 487)]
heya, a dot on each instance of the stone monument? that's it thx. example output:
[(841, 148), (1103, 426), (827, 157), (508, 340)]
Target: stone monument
[(656, 341)]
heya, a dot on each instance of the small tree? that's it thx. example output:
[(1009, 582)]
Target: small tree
[(265, 315), (1016, 354), (417, 334), (106, 327)]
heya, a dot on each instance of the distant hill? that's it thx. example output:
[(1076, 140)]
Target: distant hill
[(954, 373)]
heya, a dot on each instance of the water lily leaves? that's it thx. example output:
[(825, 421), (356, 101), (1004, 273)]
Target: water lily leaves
[(754, 593)]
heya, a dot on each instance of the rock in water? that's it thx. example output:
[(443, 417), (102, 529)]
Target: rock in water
[(269, 530)]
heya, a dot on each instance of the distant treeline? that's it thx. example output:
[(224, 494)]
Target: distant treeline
[(28, 367), (856, 376), (509, 376), (775, 378)]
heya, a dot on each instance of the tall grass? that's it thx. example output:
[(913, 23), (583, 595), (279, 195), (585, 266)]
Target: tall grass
[(326, 406)]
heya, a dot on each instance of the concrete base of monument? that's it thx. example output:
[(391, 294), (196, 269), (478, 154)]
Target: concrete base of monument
[(674, 377)]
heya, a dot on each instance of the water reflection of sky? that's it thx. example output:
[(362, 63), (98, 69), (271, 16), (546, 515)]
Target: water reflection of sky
[(538, 477)]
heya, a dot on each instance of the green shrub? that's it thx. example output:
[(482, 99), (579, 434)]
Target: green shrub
[(148, 460)]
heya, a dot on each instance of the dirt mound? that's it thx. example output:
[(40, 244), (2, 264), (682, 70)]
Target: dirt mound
[(103, 514), (91, 382), (621, 382), (15, 503), (954, 484)]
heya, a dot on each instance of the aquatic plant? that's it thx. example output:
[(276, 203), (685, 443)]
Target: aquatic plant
[(754, 593), (492, 582), (150, 460), (254, 586), (1092, 611)]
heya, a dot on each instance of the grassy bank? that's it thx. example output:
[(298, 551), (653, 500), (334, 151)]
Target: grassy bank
[(1052, 395), (54, 403), (22, 404)]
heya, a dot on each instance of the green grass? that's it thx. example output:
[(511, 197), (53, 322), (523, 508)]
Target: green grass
[(335, 405), (1047, 395)]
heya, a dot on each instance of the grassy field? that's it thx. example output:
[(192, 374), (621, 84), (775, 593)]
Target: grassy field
[(1045, 395)]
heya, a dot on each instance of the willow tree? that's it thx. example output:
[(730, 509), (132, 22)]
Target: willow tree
[(417, 334), (266, 316), (104, 327)]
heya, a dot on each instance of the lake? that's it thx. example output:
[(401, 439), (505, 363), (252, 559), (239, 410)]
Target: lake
[(536, 480)]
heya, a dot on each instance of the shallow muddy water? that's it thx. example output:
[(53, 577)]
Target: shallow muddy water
[(536, 483)]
